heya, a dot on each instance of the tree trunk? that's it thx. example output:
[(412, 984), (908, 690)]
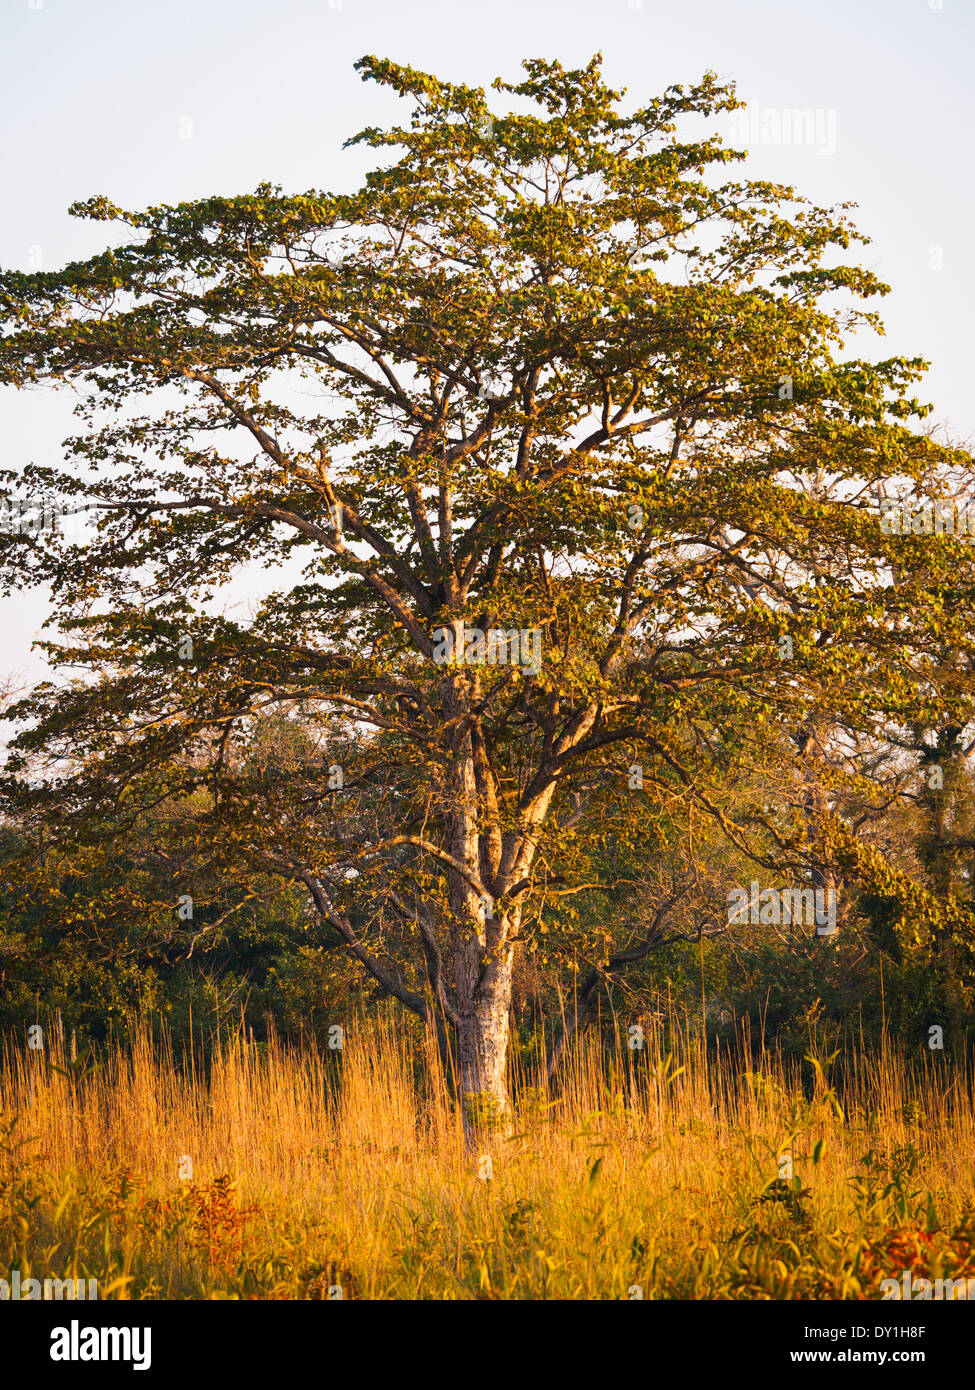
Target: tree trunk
[(480, 947), (939, 855), (483, 1033)]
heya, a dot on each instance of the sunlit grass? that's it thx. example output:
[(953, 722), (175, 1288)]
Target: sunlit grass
[(276, 1172)]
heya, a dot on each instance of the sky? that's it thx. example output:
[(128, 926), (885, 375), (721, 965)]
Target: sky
[(180, 99)]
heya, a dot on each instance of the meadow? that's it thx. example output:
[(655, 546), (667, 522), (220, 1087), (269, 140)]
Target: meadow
[(267, 1171)]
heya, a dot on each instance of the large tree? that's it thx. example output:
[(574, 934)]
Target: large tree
[(544, 380)]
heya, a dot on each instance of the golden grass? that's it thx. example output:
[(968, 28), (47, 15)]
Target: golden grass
[(645, 1176)]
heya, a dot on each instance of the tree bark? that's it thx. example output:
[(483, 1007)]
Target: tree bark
[(482, 952), (483, 1035)]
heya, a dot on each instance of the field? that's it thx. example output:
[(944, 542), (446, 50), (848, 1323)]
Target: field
[(278, 1173)]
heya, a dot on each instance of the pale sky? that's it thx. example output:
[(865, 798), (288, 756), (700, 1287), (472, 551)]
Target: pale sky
[(179, 99)]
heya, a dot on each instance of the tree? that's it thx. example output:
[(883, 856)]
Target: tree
[(557, 422)]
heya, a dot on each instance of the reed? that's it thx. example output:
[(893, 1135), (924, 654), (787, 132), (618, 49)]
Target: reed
[(263, 1170)]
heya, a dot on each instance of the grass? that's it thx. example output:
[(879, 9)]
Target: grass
[(275, 1172)]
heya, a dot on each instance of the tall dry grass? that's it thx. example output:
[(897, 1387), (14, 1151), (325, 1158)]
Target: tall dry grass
[(276, 1172)]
